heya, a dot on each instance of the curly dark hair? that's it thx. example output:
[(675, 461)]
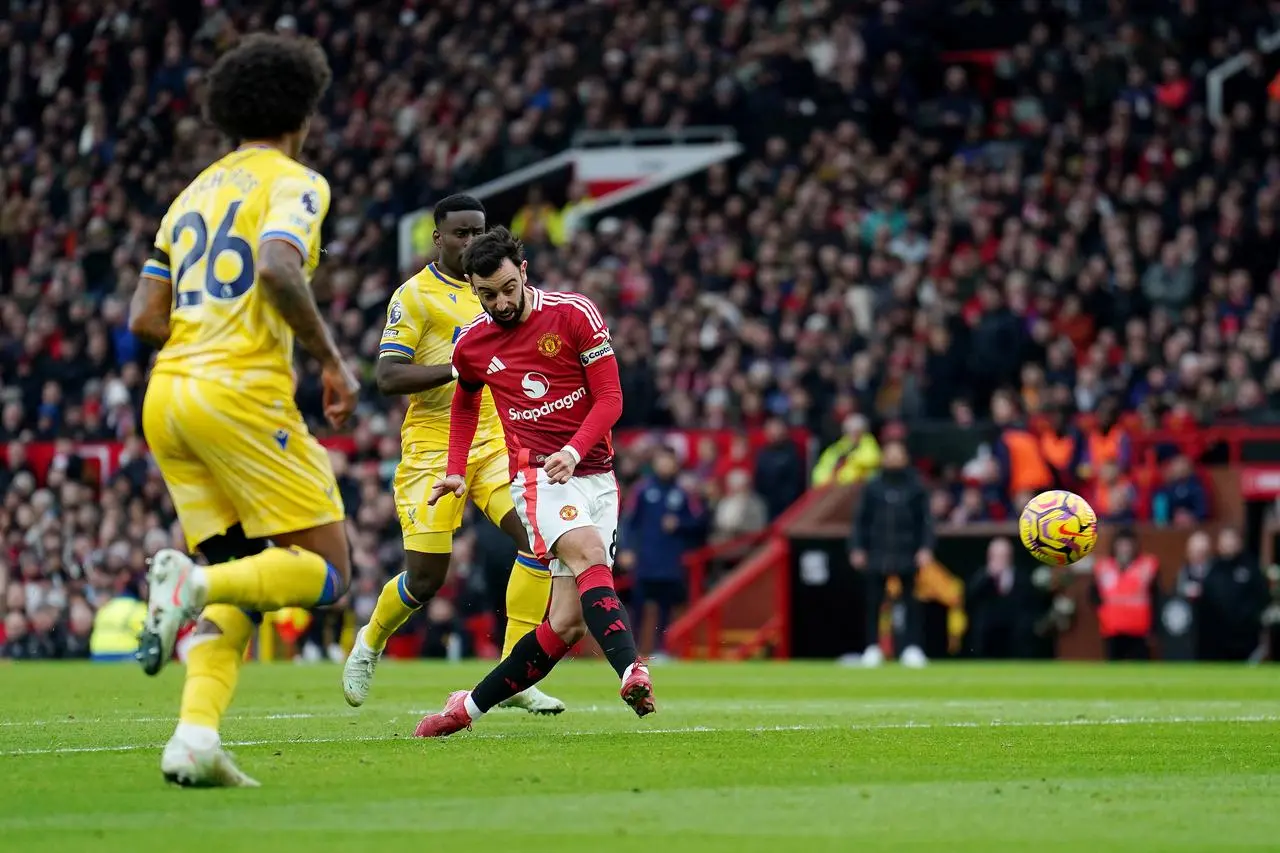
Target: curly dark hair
[(266, 86), (486, 253)]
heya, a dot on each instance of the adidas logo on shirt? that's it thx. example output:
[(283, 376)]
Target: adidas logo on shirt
[(495, 364)]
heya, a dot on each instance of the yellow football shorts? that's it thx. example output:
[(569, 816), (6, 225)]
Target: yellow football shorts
[(429, 529), (231, 455)]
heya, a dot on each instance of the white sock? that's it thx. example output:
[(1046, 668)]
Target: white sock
[(363, 645), (200, 584), (473, 710), (626, 673), (198, 737)]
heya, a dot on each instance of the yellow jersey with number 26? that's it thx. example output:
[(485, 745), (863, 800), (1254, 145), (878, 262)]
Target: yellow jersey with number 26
[(223, 328)]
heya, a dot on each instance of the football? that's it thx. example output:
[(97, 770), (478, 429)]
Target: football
[(1058, 527)]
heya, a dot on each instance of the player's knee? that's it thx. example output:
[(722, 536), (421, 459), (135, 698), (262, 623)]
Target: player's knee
[(565, 617), (514, 528), (425, 574), (571, 627), (580, 549)]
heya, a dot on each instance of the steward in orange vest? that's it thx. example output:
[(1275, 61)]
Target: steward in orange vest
[(1125, 589), (1023, 470), (1060, 448)]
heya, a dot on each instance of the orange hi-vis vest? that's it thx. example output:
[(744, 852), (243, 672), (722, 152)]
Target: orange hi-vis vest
[(1125, 610), (1104, 447), (1027, 469), (1057, 450)]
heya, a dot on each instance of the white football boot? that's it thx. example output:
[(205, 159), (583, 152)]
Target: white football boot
[(176, 596), (357, 672), (201, 762), (872, 657), (534, 701), (913, 657)]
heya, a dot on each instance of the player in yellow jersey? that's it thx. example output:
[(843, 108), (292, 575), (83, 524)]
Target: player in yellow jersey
[(225, 294), (415, 358)]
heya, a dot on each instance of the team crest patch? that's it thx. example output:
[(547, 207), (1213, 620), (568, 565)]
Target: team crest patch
[(568, 513), (311, 202), (549, 344)]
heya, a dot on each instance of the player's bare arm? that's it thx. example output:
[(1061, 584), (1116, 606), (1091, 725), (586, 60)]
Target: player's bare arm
[(281, 278), (396, 376), (149, 310)]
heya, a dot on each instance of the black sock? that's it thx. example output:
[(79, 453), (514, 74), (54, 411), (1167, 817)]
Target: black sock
[(606, 617), (529, 662)]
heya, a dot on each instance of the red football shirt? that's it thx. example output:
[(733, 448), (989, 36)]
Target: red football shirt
[(553, 378)]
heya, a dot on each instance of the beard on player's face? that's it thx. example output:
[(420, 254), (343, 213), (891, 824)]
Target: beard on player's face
[(505, 319)]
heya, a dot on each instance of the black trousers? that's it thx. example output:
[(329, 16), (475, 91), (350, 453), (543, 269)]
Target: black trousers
[(913, 633), (1123, 647)]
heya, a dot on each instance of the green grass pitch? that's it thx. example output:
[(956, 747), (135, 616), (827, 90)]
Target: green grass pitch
[(749, 757)]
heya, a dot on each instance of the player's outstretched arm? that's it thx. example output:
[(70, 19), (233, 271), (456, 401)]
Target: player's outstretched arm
[(280, 276), (149, 309), (396, 376)]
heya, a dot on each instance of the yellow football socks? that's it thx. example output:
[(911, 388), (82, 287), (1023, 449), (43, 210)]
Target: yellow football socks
[(395, 606), (527, 593), (213, 666), (275, 578)]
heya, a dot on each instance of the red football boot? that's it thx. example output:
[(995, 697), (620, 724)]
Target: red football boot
[(454, 718), (637, 689)]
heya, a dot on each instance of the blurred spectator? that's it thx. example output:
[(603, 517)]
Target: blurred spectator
[(1002, 607), (1182, 500), (741, 511), (852, 458), (664, 522), (779, 476), (1114, 497), (1023, 472), (1059, 446), (893, 536), (1233, 595), (116, 626), (1126, 591)]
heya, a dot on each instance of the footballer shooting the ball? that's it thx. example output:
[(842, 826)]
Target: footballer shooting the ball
[(548, 361), (424, 317)]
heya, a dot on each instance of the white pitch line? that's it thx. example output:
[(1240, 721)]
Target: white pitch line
[(863, 727), (852, 706)]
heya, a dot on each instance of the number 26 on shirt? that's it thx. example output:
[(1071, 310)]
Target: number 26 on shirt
[(210, 251)]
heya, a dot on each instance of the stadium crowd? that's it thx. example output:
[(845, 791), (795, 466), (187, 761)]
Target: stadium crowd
[(1056, 230)]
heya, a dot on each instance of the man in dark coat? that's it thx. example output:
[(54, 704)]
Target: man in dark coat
[(892, 536), (1003, 605), (1232, 597)]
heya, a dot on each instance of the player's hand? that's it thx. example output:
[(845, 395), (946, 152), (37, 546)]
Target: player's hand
[(559, 467), (858, 559), (453, 484), (341, 392)]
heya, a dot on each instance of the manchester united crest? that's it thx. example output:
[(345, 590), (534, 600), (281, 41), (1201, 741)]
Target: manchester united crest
[(549, 344), (568, 513)]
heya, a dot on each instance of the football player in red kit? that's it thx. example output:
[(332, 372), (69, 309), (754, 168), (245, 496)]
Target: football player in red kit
[(549, 365)]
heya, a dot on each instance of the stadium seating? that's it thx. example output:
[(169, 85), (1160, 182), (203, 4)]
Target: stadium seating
[(930, 209)]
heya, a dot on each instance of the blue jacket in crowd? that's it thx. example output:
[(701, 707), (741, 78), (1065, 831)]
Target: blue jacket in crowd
[(659, 550)]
